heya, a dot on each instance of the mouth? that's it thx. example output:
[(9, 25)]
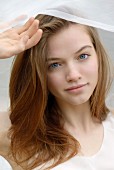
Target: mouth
[(75, 87)]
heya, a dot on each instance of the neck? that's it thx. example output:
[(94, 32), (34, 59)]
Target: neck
[(77, 117)]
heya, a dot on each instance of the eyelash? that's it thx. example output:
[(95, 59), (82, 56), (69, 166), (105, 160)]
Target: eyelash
[(83, 55), (51, 66)]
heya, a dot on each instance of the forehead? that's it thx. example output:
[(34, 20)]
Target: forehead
[(68, 40)]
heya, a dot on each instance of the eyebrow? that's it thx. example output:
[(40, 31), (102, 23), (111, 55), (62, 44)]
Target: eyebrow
[(81, 49)]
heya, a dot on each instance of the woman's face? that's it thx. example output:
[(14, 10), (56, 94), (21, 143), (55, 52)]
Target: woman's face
[(72, 66)]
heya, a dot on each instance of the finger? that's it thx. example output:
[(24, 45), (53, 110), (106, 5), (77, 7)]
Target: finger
[(25, 39), (20, 32), (11, 34), (13, 22), (19, 46), (25, 26), (32, 29), (18, 19), (35, 39)]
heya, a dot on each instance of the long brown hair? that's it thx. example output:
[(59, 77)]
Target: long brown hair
[(37, 132)]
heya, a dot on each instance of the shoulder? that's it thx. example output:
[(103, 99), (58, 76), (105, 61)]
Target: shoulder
[(109, 121), (5, 124), (4, 164)]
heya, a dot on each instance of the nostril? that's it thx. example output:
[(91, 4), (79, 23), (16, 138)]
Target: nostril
[(73, 77)]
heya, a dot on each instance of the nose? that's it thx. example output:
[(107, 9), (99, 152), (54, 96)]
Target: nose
[(73, 74)]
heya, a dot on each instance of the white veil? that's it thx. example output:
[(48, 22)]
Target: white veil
[(99, 14)]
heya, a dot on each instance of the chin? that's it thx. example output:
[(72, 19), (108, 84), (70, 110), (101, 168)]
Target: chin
[(79, 101)]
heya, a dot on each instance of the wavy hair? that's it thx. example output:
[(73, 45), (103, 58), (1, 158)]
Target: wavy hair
[(37, 132)]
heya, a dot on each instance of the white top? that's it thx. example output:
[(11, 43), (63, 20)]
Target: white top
[(4, 165), (102, 160)]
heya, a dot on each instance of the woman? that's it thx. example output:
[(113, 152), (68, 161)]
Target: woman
[(59, 119), (59, 111)]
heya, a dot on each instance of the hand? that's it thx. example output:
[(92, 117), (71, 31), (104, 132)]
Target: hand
[(6, 25), (16, 40)]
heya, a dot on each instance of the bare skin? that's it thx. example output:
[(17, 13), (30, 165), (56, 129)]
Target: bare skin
[(16, 40)]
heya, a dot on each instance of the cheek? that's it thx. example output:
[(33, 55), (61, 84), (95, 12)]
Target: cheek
[(54, 81), (93, 64), (93, 71)]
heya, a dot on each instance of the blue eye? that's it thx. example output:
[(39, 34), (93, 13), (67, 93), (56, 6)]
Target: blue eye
[(83, 56), (54, 65)]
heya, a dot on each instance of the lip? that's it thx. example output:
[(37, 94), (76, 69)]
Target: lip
[(75, 87)]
